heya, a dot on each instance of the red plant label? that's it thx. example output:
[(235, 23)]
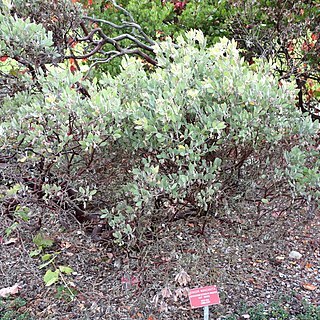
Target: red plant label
[(204, 296)]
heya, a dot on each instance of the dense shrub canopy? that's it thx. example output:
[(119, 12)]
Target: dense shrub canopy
[(204, 129), (202, 123)]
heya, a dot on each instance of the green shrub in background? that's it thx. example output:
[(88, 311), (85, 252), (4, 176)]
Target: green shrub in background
[(60, 18), (204, 128), (285, 31), (170, 18), (33, 34), (160, 19)]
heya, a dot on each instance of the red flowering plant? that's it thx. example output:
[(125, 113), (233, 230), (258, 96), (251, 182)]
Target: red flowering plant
[(179, 6)]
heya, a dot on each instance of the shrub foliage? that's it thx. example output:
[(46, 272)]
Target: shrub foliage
[(206, 131)]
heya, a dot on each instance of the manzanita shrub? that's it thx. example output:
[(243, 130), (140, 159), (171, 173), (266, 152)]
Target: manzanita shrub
[(214, 130), (205, 129)]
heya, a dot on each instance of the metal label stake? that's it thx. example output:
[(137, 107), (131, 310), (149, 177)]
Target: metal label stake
[(206, 313)]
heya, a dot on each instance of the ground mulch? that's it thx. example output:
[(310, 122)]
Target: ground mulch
[(150, 278)]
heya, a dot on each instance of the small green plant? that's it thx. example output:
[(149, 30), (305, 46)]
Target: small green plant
[(58, 272), (66, 293), (119, 219), (11, 229), (279, 312), (42, 242), (20, 212), (9, 309)]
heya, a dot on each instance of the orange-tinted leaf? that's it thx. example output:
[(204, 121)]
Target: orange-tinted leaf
[(290, 46), (305, 46), (54, 19), (251, 280), (71, 42), (309, 286)]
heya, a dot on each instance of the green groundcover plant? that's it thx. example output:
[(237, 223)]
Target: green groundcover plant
[(9, 309), (279, 311)]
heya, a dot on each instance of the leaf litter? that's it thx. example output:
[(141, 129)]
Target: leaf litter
[(152, 281)]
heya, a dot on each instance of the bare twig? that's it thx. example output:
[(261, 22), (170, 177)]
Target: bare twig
[(133, 41)]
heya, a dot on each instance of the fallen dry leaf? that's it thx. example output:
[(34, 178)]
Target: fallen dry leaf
[(109, 255), (128, 281), (166, 292), (276, 214), (180, 293), (5, 292), (65, 245), (10, 241), (166, 259), (182, 278), (155, 300), (163, 307), (309, 286)]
